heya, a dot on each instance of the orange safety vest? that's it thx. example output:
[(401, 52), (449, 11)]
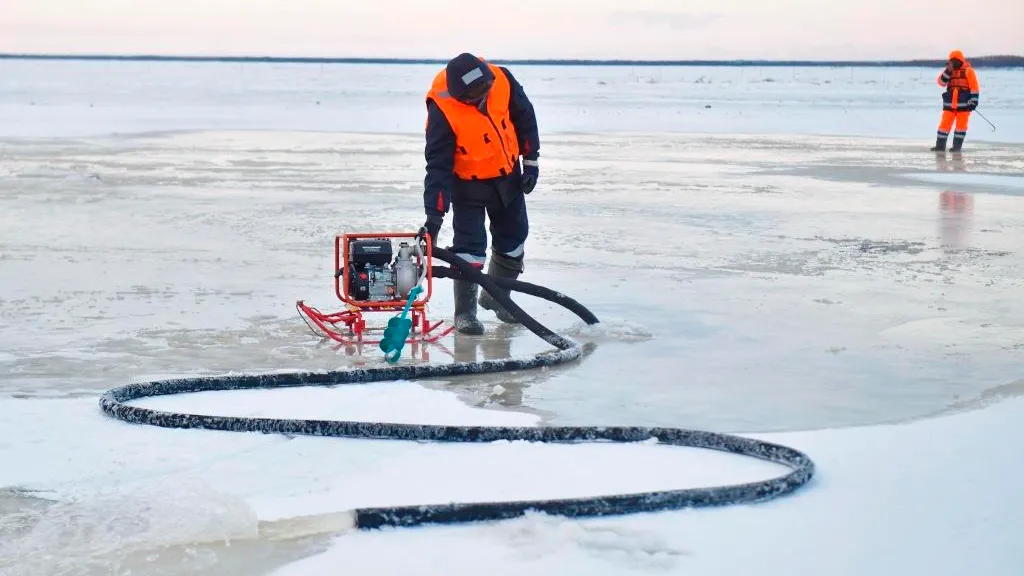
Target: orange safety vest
[(958, 79), (963, 83), (486, 144)]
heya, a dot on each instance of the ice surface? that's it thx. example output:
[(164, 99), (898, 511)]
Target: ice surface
[(791, 258), (152, 491), (937, 497), (777, 270)]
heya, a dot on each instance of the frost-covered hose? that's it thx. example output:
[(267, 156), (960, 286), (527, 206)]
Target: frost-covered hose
[(115, 402)]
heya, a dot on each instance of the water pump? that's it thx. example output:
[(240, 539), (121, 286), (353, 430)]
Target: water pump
[(372, 276)]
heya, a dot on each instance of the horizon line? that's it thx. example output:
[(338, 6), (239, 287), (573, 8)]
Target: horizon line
[(1011, 61)]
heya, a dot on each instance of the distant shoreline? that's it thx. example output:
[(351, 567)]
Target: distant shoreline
[(978, 62)]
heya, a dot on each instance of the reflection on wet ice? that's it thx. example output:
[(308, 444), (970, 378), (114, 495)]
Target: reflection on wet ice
[(955, 211)]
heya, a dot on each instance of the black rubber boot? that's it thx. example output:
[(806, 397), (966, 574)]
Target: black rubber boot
[(940, 144), (465, 308), (958, 142), (501, 266)]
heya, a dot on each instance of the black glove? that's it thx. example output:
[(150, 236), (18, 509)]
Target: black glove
[(433, 225), (972, 103), (531, 170)]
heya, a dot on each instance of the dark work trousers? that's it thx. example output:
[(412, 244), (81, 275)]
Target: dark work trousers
[(505, 206)]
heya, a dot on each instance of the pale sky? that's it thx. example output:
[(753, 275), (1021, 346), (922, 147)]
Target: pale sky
[(656, 29)]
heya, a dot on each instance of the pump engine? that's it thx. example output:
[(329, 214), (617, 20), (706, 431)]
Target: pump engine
[(373, 275)]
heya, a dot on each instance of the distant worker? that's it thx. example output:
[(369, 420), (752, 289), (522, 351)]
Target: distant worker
[(479, 122), (958, 101)]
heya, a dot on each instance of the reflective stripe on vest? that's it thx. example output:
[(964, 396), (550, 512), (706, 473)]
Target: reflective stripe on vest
[(486, 145)]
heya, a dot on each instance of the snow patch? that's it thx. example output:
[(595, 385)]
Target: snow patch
[(610, 330)]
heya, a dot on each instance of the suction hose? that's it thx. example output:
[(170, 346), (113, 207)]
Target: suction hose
[(116, 403)]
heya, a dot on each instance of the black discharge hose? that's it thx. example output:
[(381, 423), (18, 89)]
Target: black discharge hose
[(115, 402)]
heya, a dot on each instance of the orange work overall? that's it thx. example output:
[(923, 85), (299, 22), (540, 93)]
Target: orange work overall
[(961, 86)]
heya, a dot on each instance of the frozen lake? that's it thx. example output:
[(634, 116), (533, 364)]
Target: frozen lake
[(768, 249), (84, 98)]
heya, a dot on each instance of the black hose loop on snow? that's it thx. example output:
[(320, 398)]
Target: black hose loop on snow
[(116, 403)]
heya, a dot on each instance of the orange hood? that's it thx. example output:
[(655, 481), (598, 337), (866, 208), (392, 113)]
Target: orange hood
[(959, 55)]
